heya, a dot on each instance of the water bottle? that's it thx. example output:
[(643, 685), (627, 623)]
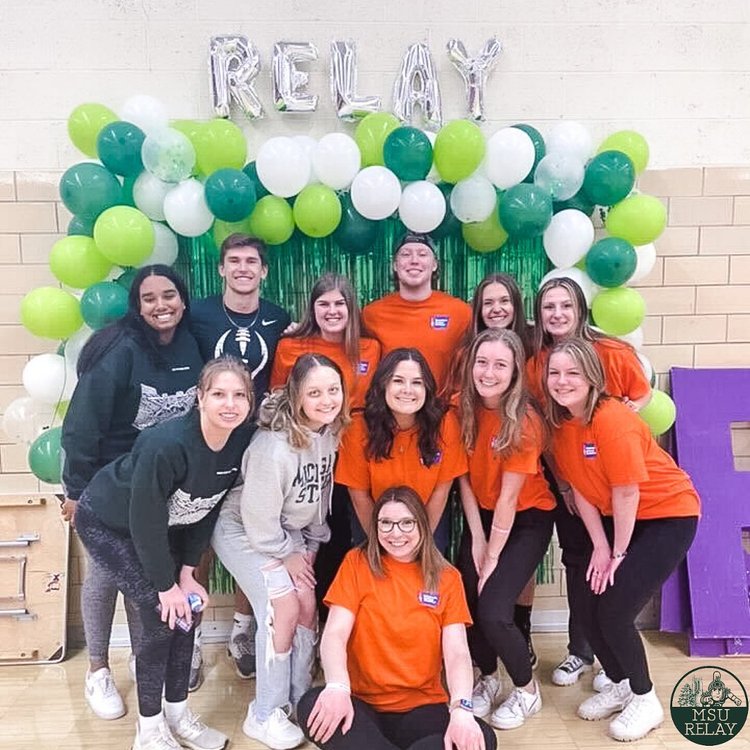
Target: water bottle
[(196, 605)]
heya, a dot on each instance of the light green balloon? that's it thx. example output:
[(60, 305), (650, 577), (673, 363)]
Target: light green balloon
[(659, 413), (272, 220), (222, 229), (618, 311), (124, 235), (219, 144), (51, 313), (459, 149), (77, 262), (370, 136), (485, 236), (317, 211), (631, 143), (639, 219), (85, 123)]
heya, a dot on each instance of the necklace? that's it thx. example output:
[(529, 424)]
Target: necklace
[(235, 323)]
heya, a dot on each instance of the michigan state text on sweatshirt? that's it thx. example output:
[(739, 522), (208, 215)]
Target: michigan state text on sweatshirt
[(123, 393), (165, 493), (286, 494)]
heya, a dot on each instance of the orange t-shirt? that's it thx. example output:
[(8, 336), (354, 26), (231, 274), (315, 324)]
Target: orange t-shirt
[(486, 467), (617, 449), (357, 383), (404, 467), (434, 326), (394, 654), (623, 374)]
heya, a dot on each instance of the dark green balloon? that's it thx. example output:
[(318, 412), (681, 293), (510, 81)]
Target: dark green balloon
[(125, 279), (450, 226), (119, 147), (579, 201), (127, 192), (609, 178), (81, 226), (611, 262), (260, 190), (407, 152), (44, 456), (88, 189), (525, 211), (103, 303), (539, 147), (355, 234), (230, 194)]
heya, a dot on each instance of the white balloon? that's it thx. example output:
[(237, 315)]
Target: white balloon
[(147, 112), (648, 368), (165, 249), (559, 174), (336, 160), (473, 199), (77, 341), (376, 192), (283, 166), (580, 277), (168, 154), (509, 158), (186, 211), (570, 138), (422, 206), (308, 145), (46, 378), (568, 237), (149, 193), (646, 259), (433, 175), (25, 418), (634, 338)]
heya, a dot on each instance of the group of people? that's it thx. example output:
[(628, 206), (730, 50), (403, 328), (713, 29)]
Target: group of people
[(317, 461)]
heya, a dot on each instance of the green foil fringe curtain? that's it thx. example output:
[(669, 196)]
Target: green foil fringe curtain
[(294, 266)]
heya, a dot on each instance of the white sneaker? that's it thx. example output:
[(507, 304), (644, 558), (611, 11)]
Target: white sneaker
[(516, 708), (277, 731), (161, 739), (612, 699), (485, 695), (640, 716), (192, 733), (131, 667), (102, 695), (569, 670), (601, 681)]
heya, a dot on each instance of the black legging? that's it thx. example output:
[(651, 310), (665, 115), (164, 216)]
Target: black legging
[(657, 547), (494, 632), (162, 655), (422, 728)]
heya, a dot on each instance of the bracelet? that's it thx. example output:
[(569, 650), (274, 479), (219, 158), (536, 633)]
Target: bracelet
[(500, 529), (339, 686), (619, 555)]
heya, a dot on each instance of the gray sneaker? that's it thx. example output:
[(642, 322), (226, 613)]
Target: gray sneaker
[(241, 650), (196, 668)]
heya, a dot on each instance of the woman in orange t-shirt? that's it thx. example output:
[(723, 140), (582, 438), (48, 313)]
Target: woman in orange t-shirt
[(405, 437), (398, 614), (509, 513), (641, 512)]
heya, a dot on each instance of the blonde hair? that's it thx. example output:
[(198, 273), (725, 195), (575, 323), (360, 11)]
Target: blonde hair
[(216, 367)]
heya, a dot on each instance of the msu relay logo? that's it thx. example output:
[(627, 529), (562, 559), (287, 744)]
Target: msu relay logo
[(709, 706)]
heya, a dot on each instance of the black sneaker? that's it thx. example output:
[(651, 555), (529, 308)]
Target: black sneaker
[(241, 650)]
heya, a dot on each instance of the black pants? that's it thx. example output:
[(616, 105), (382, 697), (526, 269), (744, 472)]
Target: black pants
[(422, 728), (331, 554), (656, 549), (494, 632), (162, 656)]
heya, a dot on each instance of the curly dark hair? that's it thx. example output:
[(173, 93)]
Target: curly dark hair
[(381, 424)]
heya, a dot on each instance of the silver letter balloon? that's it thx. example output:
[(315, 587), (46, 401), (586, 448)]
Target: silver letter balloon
[(288, 82), (235, 64), (474, 71), (417, 83), (349, 106)]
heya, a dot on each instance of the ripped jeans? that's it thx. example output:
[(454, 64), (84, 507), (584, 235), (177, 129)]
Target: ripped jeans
[(280, 679)]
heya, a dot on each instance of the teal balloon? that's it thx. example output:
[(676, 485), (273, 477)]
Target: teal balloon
[(539, 148), (407, 152), (579, 201), (125, 279), (251, 171), (525, 211), (119, 147), (611, 262), (45, 456), (230, 194), (103, 303), (81, 225), (355, 234), (450, 226), (88, 189), (127, 192), (609, 178)]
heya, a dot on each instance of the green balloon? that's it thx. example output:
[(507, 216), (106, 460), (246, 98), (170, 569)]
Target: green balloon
[(252, 172), (370, 136), (88, 189), (124, 235), (317, 211), (51, 313), (219, 144), (45, 456), (459, 149), (119, 147), (450, 226), (125, 279), (189, 128), (81, 225), (77, 262), (127, 191), (659, 413), (407, 152), (230, 194), (618, 311), (485, 236), (85, 123), (579, 201), (272, 220), (610, 262), (525, 211), (355, 234), (609, 178), (631, 143), (539, 147), (103, 303), (639, 219), (222, 229)]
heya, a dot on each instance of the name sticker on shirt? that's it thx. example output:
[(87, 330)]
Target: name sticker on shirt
[(429, 599), (363, 367), (589, 450), (439, 322)]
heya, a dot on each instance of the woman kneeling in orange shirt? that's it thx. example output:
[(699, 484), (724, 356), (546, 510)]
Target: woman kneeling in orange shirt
[(397, 614), (641, 512)]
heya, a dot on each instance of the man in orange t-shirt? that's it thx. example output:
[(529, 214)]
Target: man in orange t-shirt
[(416, 315)]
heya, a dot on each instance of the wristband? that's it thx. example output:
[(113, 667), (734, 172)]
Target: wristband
[(619, 555), (342, 686), (500, 529), (465, 703)]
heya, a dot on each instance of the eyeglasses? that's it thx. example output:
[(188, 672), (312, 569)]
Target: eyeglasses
[(405, 525)]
